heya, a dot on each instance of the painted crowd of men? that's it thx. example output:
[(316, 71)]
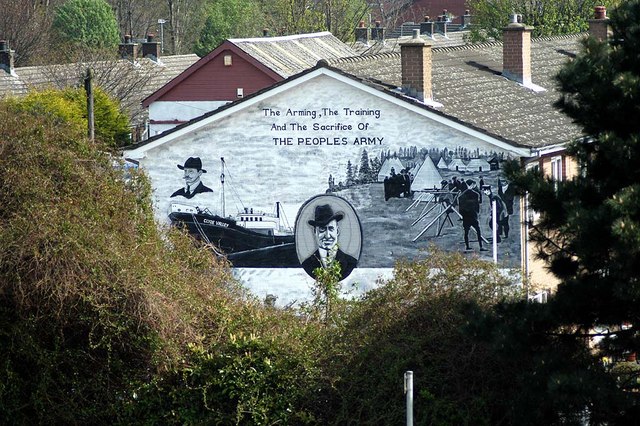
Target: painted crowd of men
[(397, 185), (467, 195)]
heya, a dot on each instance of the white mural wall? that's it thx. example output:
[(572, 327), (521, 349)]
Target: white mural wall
[(319, 134)]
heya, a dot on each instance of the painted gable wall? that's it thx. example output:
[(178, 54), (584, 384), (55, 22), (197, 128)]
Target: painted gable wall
[(277, 151)]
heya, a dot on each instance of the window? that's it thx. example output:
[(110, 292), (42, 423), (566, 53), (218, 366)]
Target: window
[(556, 168), (227, 60), (240, 92)]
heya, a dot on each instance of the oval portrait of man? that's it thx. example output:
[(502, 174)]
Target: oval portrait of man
[(328, 230)]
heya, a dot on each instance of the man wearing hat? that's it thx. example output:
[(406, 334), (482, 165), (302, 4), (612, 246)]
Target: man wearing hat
[(326, 230), (192, 172), (469, 207)]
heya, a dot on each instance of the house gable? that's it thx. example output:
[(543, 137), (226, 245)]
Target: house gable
[(197, 84)]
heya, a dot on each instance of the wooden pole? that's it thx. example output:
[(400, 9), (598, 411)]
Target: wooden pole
[(88, 87)]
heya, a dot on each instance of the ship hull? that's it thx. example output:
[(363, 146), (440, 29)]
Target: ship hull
[(244, 247)]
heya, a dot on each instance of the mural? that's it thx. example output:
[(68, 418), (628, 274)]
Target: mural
[(328, 228), (406, 179)]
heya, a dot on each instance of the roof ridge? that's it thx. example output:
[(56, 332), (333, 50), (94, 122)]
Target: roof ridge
[(359, 58), (279, 38)]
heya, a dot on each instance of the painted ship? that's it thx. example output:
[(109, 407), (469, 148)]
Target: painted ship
[(248, 239), (247, 230)]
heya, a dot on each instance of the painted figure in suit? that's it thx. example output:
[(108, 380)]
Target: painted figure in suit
[(507, 192), (326, 229), (469, 207), (192, 172)]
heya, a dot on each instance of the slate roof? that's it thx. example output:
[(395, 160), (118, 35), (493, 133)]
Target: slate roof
[(466, 80), (289, 55), (453, 38)]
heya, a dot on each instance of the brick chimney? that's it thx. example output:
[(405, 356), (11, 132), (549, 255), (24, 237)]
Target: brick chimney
[(427, 27), (415, 55), (441, 24), (599, 25), (377, 32), (466, 19), (151, 49), (128, 49), (362, 33), (6, 57), (516, 51)]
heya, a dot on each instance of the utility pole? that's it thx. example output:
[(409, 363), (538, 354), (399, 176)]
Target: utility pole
[(88, 87)]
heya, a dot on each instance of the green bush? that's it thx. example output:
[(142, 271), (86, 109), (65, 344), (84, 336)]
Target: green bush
[(419, 321), (69, 107), (92, 296)]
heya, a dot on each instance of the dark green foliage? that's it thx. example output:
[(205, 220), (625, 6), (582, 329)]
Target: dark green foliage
[(546, 18), (90, 24), (589, 228), (229, 19), (419, 321), (250, 380)]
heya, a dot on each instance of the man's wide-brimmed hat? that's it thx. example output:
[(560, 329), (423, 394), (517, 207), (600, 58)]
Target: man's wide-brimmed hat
[(324, 214), (192, 163)]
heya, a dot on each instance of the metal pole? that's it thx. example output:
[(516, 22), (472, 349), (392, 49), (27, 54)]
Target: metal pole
[(494, 231), (161, 22), (408, 390)]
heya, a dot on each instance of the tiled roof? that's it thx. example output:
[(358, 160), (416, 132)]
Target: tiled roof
[(126, 81), (466, 80), (11, 85), (289, 55)]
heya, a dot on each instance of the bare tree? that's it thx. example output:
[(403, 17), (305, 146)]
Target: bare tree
[(26, 25), (138, 17)]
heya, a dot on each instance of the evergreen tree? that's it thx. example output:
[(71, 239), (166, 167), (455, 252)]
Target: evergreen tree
[(350, 178), (365, 169), (87, 23), (589, 226)]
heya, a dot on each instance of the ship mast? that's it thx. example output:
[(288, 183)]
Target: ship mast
[(222, 184)]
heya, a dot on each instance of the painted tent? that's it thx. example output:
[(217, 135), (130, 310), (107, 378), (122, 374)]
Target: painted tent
[(478, 165), (458, 165), (415, 168), (442, 164), (428, 177), (389, 163)]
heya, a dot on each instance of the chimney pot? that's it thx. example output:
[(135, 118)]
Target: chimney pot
[(361, 24), (150, 38), (127, 39), (378, 24), (3, 45), (600, 12), (265, 32)]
